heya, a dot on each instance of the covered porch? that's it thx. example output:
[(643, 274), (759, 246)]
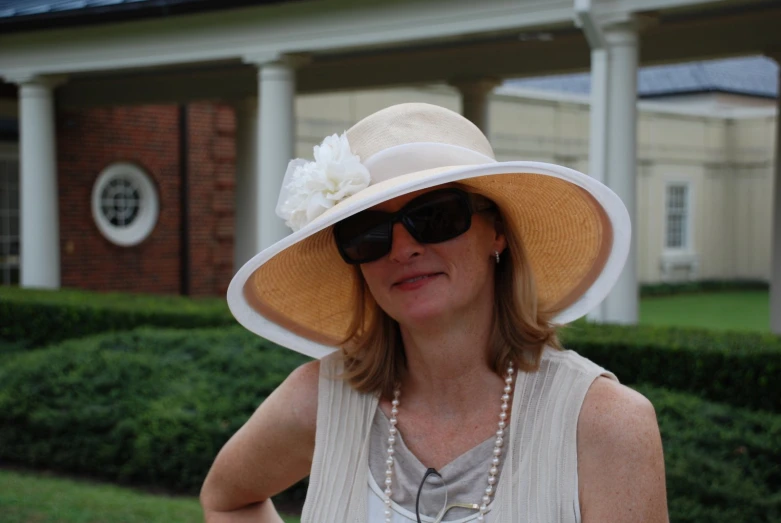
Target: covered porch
[(258, 58)]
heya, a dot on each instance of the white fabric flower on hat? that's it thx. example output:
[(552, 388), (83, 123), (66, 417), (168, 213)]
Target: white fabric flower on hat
[(311, 188)]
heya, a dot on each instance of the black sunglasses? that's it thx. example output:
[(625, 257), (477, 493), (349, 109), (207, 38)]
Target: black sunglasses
[(433, 217)]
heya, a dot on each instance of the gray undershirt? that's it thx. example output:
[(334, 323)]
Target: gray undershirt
[(466, 476)]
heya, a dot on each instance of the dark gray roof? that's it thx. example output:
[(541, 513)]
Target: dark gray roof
[(751, 76), (9, 8), (21, 15)]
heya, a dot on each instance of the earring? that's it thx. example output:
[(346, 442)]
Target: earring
[(496, 253)]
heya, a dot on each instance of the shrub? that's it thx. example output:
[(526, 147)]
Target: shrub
[(154, 406), (34, 318), (722, 463), (734, 368), (146, 406), (700, 286)]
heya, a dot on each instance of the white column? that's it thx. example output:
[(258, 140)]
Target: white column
[(775, 261), (247, 218), (622, 305), (39, 209), (474, 100), (276, 143), (597, 155)]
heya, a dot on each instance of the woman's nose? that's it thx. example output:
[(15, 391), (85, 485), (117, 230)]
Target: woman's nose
[(403, 245)]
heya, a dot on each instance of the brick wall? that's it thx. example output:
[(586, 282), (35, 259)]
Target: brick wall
[(212, 165), (90, 140)]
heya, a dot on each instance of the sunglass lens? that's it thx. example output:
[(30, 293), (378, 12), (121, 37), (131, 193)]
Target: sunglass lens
[(364, 237), (442, 217)]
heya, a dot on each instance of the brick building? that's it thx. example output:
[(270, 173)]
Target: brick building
[(189, 154)]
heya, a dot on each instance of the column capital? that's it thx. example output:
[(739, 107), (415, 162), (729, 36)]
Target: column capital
[(21, 78), (475, 85), (293, 60)]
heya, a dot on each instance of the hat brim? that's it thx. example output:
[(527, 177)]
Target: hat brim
[(576, 232)]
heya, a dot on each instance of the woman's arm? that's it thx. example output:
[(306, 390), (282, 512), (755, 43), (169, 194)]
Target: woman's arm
[(620, 460), (269, 453)]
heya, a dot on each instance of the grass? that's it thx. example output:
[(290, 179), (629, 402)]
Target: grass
[(37, 498), (743, 310)]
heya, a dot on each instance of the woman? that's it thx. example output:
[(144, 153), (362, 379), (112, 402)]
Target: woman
[(440, 275)]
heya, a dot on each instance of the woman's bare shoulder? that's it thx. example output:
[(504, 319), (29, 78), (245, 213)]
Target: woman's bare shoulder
[(620, 458), (299, 391)]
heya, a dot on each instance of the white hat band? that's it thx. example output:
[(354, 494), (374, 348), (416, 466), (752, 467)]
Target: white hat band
[(420, 156)]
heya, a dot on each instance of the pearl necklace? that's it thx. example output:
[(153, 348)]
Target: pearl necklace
[(492, 472)]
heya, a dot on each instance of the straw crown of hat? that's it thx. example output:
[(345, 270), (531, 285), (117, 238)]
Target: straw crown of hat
[(298, 292)]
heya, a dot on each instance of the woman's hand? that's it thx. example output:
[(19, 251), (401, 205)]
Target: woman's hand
[(620, 460), (271, 452)]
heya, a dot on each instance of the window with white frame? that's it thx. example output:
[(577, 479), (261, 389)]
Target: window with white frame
[(677, 216), (9, 219), (125, 204)]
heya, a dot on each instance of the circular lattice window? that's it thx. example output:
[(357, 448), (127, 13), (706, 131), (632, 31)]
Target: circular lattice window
[(124, 204)]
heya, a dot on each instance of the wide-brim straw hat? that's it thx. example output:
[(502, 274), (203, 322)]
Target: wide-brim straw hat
[(299, 292)]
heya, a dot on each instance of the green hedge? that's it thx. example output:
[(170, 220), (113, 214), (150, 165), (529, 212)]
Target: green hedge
[(34, 318), (722, 463), (740, 369), (702, 286), (153, 407)]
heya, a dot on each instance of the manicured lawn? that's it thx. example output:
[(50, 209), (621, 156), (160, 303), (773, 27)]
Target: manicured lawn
[(747, 310), (28, 498)]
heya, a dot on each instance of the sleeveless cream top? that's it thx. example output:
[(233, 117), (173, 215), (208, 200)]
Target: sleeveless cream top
[(538, 480)]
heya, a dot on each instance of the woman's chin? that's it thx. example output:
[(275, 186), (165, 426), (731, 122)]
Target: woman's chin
[(422, 314)]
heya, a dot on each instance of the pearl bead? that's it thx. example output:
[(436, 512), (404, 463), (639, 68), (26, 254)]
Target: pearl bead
[(502, 416), (500, 433), (495, 461), (494, 471), (391, 440), (505, 397), (395, 402), (499, 442), (497, 452), (393, 430), (390, 451), (483, 508), (502, 424), (389, 473), (507, 389), (486, 499), (480, 518), (387, 503), (388, 492), (492, 480), (393, 421), (508, 380), (388, 513), (394, 411), (388, 482)]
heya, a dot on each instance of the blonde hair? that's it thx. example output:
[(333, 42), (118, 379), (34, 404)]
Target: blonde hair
[(373, 352)]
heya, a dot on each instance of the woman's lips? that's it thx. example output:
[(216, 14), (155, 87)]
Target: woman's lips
[(415, 282)]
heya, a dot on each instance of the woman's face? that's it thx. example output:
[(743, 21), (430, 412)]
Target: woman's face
[(416, 282)]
